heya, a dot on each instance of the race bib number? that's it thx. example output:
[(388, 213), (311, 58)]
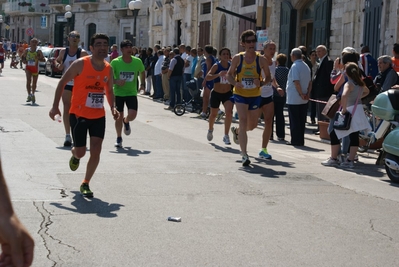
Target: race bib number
[(30, 63), (95, 100), (1, 54), (248, 83), (223, 80), (126, 75)]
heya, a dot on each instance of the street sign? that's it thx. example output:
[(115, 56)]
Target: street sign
[(7, 27), (43, 22), (261, 37), (29, 31)]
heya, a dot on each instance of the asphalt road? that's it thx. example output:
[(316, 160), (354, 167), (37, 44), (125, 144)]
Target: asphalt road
[(289, 211)]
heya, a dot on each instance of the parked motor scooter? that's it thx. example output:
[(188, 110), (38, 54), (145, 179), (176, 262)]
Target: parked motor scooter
[(386, 107)]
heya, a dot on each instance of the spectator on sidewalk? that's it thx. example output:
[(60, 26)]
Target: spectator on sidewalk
[(369, 63), (298, 91), (198, 68), (149, 71), (280, 96), (164, 70), (188, 62), (387, 76), (321, 85), (175, 75), (114, 52), (158, 90)]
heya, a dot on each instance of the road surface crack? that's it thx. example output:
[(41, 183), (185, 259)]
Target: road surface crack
[(49, 240), (381, 233)]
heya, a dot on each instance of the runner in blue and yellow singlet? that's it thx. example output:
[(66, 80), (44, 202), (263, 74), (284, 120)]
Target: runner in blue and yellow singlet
[(31, 58), (245, 75)]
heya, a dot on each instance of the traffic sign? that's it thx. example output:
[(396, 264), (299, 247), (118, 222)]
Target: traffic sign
[(7, 27), (43, 22), (29, 31)]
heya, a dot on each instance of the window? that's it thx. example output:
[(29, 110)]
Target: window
[(206, 8), (248, 2)]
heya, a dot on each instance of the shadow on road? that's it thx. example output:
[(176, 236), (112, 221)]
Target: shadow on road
[(93, 205), (130, 152), (263, 171), (228, 149)]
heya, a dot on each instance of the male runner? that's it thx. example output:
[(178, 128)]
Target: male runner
[(31, 58), (93, 77), (63, 61), (126, 69), (245, 75)]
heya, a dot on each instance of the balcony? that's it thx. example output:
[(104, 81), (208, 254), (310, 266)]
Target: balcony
[(12, 8), (87, 4), (59, 5), (122, 5)]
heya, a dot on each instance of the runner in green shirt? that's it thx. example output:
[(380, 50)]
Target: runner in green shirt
[(126, 69)]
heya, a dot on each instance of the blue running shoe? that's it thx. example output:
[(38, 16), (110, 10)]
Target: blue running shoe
[(264, 155)]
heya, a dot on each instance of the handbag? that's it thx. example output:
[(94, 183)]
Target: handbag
[(331, 107), (343, 121)]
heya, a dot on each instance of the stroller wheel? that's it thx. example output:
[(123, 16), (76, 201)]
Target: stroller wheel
[(179, 109)]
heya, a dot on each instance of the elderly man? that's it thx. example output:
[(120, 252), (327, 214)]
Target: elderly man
[(322, 86), (298, 91), (387, 76)]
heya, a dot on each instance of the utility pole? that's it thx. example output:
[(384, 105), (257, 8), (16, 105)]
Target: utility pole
[(264, 15)]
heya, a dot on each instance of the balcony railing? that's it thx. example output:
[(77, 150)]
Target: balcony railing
[(13, 7), (59, 2)]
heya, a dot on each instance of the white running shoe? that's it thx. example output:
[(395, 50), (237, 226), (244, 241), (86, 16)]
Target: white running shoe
[(330, 162), (209, 136), (226, 140)]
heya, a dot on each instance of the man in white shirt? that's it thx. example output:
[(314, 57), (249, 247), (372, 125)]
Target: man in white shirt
[(158, 90), (188, 61)]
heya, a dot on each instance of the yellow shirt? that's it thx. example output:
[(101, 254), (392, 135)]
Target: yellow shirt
[(246, 73)]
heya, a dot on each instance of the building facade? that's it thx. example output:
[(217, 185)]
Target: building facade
[(290, 23)]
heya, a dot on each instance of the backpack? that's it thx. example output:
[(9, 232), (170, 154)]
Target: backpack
[(67, 51)]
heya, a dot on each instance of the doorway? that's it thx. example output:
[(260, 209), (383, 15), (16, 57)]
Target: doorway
[(178, 32), (306, 26)]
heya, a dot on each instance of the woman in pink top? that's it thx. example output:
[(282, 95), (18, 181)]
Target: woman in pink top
[(114, 52)]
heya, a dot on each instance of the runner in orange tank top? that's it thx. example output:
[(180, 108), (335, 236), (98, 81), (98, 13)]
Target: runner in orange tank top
[(93, 77)]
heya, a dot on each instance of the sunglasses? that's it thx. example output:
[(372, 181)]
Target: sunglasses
[(74, 36), (250, 41)]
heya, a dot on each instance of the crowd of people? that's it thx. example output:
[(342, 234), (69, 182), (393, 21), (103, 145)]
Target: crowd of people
[(304, 89)]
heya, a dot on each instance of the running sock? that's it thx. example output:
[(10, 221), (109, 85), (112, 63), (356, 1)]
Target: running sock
[(86, 181), (265, 150)]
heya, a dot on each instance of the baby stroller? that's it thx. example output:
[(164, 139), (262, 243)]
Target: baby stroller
[(195, 101)]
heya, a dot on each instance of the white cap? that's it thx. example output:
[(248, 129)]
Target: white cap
[(349, 50)]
